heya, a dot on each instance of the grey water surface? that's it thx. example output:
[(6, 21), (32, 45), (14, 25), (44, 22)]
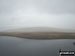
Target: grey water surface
[(12, 46)]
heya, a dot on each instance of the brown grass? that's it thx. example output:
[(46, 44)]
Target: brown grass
[(40, 35)]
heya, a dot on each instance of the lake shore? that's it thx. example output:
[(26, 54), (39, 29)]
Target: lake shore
[(40, 35)]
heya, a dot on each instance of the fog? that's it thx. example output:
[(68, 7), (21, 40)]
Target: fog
[(37, 13)]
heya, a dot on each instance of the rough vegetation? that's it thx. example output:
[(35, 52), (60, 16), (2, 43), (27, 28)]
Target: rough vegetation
[(40, 35)]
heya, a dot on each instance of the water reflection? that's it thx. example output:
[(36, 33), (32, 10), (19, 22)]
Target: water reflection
[(12, 46)]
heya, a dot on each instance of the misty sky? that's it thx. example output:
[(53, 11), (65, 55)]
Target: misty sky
[(37, 13)]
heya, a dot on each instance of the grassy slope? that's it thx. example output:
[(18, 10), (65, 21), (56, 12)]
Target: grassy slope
[(40, 35)]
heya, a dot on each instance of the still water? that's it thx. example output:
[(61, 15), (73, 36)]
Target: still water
[(12, 46)]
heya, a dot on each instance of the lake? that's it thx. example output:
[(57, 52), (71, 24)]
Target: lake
[(12, 46)]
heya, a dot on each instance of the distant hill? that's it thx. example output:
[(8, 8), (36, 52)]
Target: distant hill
[(40, 33), (39, 29)]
